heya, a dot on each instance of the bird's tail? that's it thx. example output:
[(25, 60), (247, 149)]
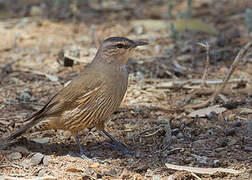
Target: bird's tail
[(35, 119), (22, 130)]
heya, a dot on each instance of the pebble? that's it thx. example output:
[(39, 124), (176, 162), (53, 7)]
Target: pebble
[(41, 140), (25, 95), (230, 132), (199, 143), (248, 148), (180, 135), (200, 159), (36, 159), (245, 175), (210, 132), (173, 139), (112, 172), (14, 156), (138, 154), (138, 30), (42, 172), (46, 160), (236, 124), (216, 163), (25, 163)]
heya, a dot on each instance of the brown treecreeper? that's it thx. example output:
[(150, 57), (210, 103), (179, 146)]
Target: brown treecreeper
[(90, 99)]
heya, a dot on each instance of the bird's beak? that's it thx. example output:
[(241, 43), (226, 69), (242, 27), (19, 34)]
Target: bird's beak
[(139, 43)]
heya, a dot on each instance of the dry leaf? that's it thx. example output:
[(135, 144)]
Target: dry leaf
[(206, 111), (245, 111), (4, 177), (95, 165), (74, 170)]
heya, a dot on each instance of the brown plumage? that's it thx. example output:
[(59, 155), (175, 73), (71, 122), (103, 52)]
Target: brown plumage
[(90, 99)]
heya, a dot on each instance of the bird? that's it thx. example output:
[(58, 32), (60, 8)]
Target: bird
[(90, 98)]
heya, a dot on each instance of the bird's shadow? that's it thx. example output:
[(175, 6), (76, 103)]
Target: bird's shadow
[(96, 149)]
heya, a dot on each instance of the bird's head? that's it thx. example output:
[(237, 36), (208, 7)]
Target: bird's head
[(117, 50)]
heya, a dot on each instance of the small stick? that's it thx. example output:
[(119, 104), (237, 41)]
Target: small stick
[(197, 177), (206, 64), (227, 77)]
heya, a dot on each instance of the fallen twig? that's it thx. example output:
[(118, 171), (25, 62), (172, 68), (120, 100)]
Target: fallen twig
[(227, 77), (198, 170), (205, 74), (182, 83), (197, 177), (148, 130)]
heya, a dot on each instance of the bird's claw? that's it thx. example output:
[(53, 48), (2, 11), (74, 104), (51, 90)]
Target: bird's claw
[(83, 156)]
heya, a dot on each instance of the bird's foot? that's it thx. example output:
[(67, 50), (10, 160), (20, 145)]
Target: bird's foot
[(83, 156), (116, 144), (119, 146)]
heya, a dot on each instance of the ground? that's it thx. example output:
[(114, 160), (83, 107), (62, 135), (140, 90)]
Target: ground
[(157, 118)]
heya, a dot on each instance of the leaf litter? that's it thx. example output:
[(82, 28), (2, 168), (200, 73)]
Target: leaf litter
[(177, 111)]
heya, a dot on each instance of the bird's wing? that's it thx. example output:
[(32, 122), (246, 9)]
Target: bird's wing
[(86, 84), (78, 91)]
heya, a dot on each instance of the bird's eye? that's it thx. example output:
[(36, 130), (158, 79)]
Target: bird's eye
[(119, 46)]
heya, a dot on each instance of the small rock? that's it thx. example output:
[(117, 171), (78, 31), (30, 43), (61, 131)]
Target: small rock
[(199, 143), (245, 175), (219, 149), (156, 177), (138, 154), (233, 141), (188, 160), (210, 132), (141, 168), (212, 116), (25, 163), (216, 163), (112, 172), (170, 160), (46, 160), (249, 127), (184, 58), (173, 139), (14, 156), (42, 172), (222, 142), (39, 59), (248, 148), (36, 11), (25, 95), (180, 135), (236, 124), (138, 30), (200, 159), (36, 159), (230, 132), (175, 131), (41, 140)]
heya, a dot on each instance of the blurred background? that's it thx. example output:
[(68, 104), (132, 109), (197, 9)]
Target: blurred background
[(45, 43)]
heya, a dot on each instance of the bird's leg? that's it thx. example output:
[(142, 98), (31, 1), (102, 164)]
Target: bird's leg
[(115, 143), (82, 153)]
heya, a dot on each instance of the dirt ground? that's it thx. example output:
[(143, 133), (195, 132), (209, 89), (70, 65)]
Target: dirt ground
[(157, 118)]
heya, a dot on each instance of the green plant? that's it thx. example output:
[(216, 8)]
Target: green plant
[(189, 8), (248, 20), (174, 34)]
